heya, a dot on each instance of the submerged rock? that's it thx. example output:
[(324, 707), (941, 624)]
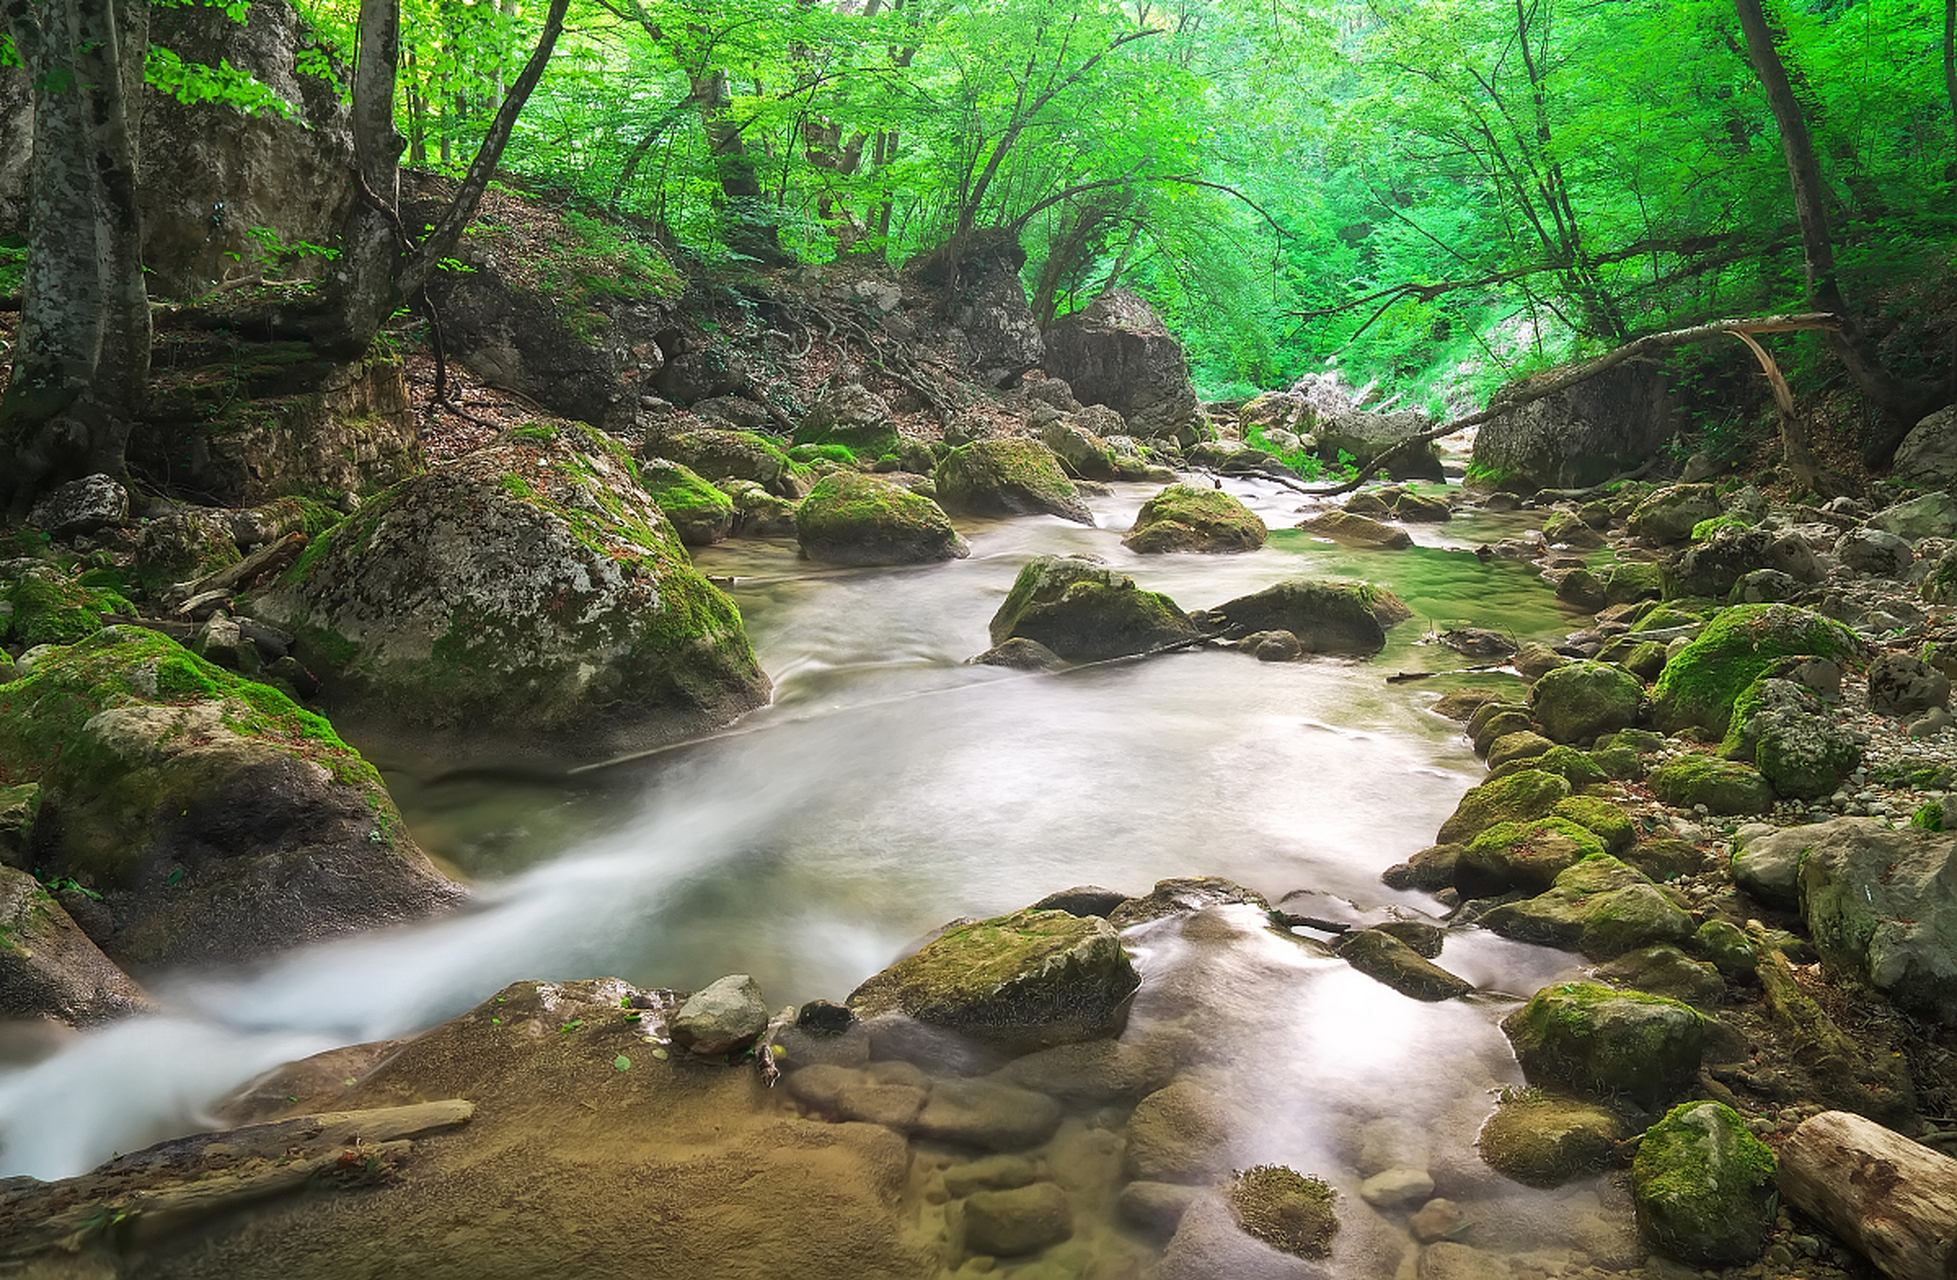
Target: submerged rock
[(218, 820), (1185, 518), (1542, 1140), (1016, 983), (1022, 1220), (856, 519), (1353, 530), (1327, 617), (1084, 611), (1704, 1186), (1386, 959), (1590, 1037), (1008, 477), (530, 593)]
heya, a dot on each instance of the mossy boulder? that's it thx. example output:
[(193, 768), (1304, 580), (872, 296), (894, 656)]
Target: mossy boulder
[(732, 455), (1352, 530), (757, 512), (701, 514), (1573, 766), (1009, 476), (854, 417), (1524, 744), (1326, 616), (218, 820), (1704, 1186), (1577, 702), (528, 597), (1015, 983), (1545, 1140), (1285, 1209), (19, 807), (1386, 959), (1700, 684), (1723, 786), (1607, 821), (1522, 855), (1670, 514), (44, 605), (1495, 720), (1600, 906), (1785, 731), (1595, 1039), (1083, 452), (1185, 518), (851, 518), (1664, 970), (1085, 611), (1516, 798)]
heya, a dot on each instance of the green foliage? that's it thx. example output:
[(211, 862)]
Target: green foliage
[(1929, 817)]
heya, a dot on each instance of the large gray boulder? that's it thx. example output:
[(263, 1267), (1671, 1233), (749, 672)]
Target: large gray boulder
[(1117, 352), (1670, 514), (1365, 435), (1927, 457), (1015, 983), (1881, 905), (1084, 611), (721, 1017), (527, 597), (86, 505), (985, 301), (1580, 436)]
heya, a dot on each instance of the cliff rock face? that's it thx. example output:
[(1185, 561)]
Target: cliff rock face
[(1584, 435), (1117, 352)]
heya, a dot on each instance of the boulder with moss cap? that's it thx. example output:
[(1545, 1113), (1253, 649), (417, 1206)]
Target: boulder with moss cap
[(701, 514), (1704, 1186), (1577, 702), (217, 820), (1700, 684), (1185, 518), (1600, 906), (1518, 797), (1544, 1140), (529, 596), (1326, 616), (851, 518), (1085, 611), (1590, 1037), (1009, 476), (1015, 983)]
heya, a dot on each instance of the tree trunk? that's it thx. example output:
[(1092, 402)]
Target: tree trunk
[(82, 360), (1892, 1199), (1900, 401), (1950, 68), (359, 293), (750, 227)]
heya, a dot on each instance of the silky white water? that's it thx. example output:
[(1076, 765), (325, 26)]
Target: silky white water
[(888, 789)]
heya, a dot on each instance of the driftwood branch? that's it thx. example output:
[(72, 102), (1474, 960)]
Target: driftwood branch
[(1514, 397), (1892, 1199)]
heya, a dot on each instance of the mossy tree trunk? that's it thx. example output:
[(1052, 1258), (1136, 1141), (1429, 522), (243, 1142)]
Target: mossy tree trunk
[(82, 362)]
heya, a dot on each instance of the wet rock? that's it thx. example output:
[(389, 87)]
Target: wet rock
[(1273, 646), (1722, 786), (1397, 1188), (1567, 529), (1600, 906), (1351, 530), (1082, 900), (1285, 1209), (1185, 518), (1022, 1220), (81, 506), (1577, 702), (1008, 477), (989, 1173), (1900, 685), (1155, 1208), (1430, 870), (1784, 730), (1498, 720), (1116, 352), (1327, 617), (49, 968), (1523, 745), (1084, 611), (856, 519), (1704, 1186), (1184, 896), (822, 1033), (731, 455), (853, 416), (1478, 642), (1669, 514), (1101, 1071), (1386, 959), (218, 821), (1436, 1220), (1534, 660), (1179, 1134), (1208, 1244), (1602, 818), (1664, 970), (429, 607), (1589, 1037), (1451, 1261), (1543, 1140), (1021, 654), (1573, 766), (1516, 798), (1526, 855), (758, 513), (886, 1093), (1874, 552), (1073, 439), (1016, 983), (1881, 905), (989, 1114), (723, 1016)]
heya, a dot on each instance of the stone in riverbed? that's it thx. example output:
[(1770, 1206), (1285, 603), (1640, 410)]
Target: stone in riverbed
[(1185, 518), (49, 968), (1704, 1186), (1388, 960), (701, 514), (1881, 905), (1783, 729), (886, 1093), (732, 455), (1545, 1140), (1085, 612), (1723, 786), (1669, 514), (1577, 702), (1179, 1134), (1327, 617), (1600, 906), (1022, 1220), (723, 1016), (1699, 685), (1900, 685), (1589, 1037), (1518, 797), (1009, 476), (1664, 970), (989, 1114), (1016, 983), (1522, 855), (1351, 530), (856, 519)]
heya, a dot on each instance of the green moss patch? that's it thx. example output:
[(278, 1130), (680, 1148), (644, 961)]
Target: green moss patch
[(1699, 685), (1287, 1210), (50, 609)]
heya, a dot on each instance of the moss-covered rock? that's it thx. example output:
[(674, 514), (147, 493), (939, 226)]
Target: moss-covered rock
[(1021, 982), (1699, 685), (1351, 530), (1085, 611), (1493, 721), (1326, 616), (757, 512), (1881, 905), (1573, 766), (527, 597), (1385, 958), (1589, 1037), (701, 514), (218, 820), (1605, 820), (1525, 744), (19, 807), (1670, 514), (1545, 1140), (1084, 452), (1664, 970), (1516, 798), (1185, 518), (852, 416), (1009, 476), (732, 455), (1704, 1186), (1577, 702), (1522, 855), (1784, 729), (46, 606), (1285, 1209), (851, 518), (1722, 786), (1600, 906)]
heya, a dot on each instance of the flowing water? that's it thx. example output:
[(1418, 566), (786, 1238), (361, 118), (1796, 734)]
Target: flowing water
[(891, 787)]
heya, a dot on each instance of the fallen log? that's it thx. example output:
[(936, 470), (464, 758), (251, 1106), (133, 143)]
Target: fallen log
[(1893, 1200), (267, 559)]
